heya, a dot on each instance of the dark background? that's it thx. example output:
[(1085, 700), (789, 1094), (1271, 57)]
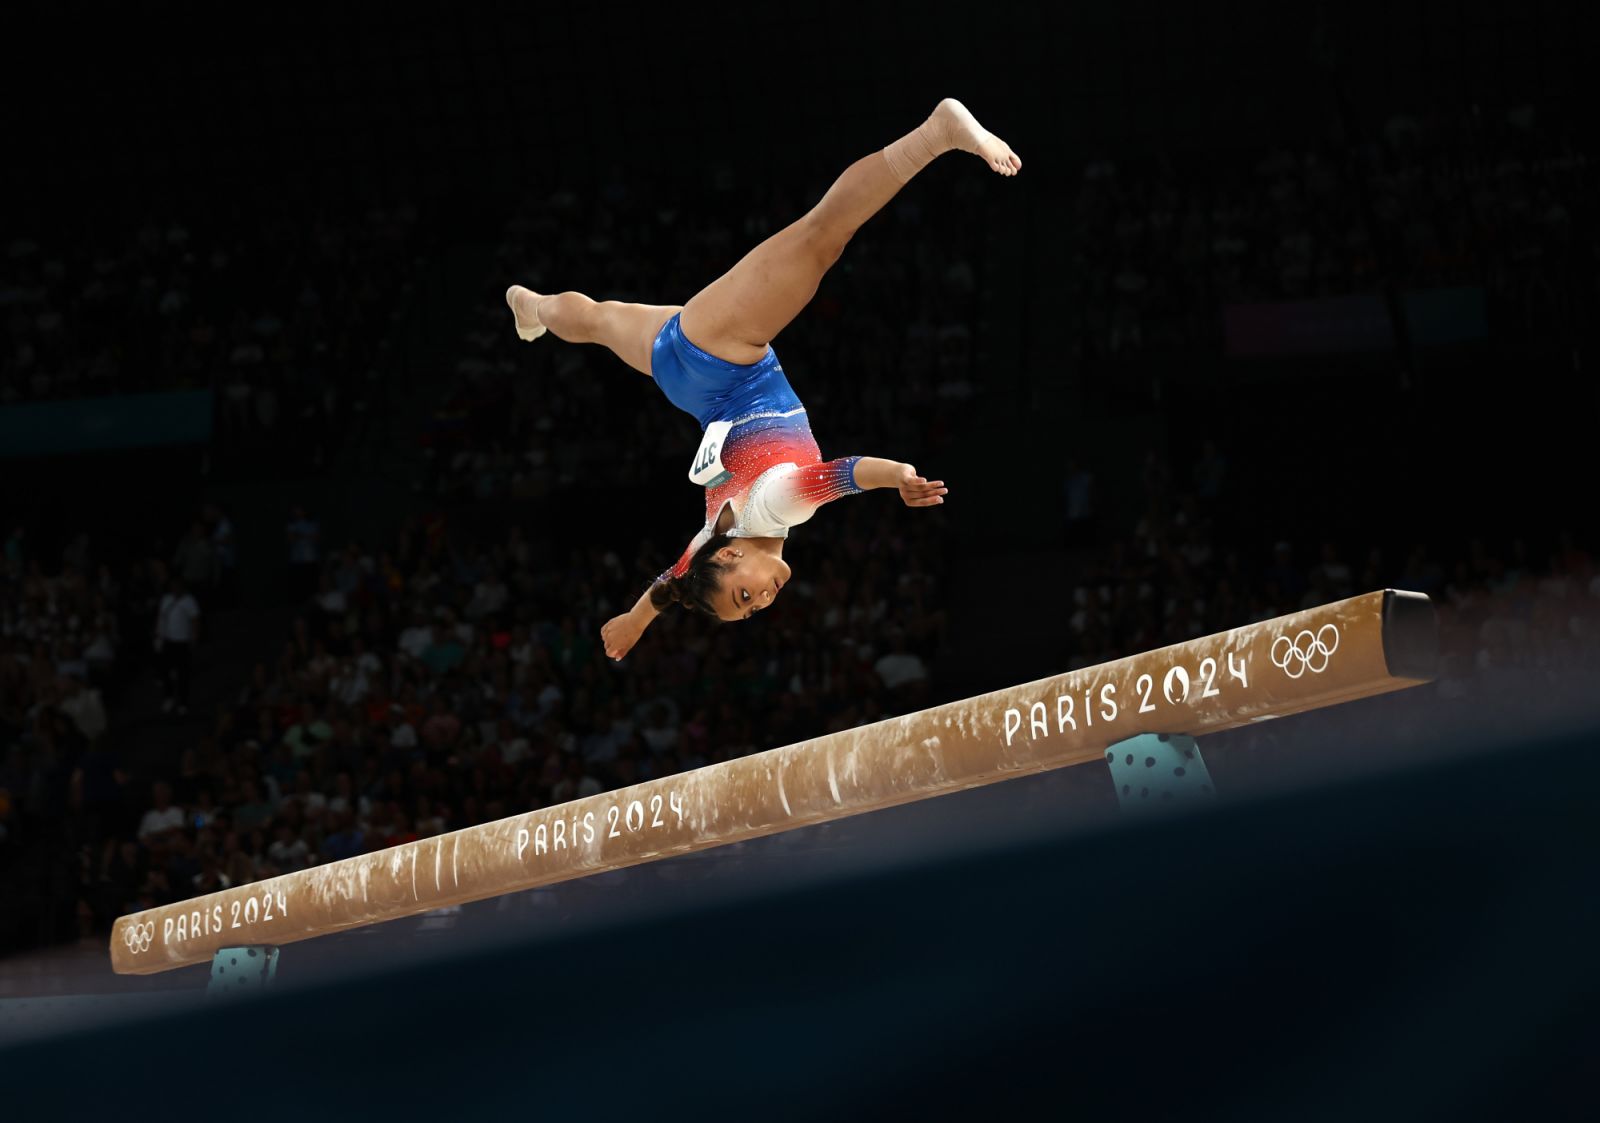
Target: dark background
[(415, 163), (462, 115)]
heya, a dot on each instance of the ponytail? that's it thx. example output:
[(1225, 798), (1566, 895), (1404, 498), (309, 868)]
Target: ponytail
[(699, 585), (666, 592)]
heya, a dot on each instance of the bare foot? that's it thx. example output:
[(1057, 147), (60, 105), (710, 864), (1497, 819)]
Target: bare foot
[(956, 124), (524, 305)]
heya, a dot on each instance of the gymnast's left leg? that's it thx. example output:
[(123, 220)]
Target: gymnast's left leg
[(740, 313), (627, 329)]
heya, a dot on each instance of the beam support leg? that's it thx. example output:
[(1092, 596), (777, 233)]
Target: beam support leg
[(242, 970), (1158, 770)]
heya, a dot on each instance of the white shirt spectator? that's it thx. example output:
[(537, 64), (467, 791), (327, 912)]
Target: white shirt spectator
[(177, 618), (86, 711), (488, 598), (289, 855), (900, 667), (660, 738), (160, 822), (416, 639), (514, 750), (351, 686), (1339, 576)]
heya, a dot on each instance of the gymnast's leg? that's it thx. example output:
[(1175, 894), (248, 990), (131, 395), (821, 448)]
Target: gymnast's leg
[(628, 329), (740, 313)]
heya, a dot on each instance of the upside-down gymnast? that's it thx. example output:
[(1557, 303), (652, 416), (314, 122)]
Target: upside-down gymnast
[(713, 358)]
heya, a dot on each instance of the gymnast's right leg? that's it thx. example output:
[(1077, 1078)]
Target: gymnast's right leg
[(629, 330), (740, 313)]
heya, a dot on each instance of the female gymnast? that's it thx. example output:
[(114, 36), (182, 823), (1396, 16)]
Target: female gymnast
[(713, 358)]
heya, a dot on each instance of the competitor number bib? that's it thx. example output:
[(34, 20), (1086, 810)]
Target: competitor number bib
[(707, 470)]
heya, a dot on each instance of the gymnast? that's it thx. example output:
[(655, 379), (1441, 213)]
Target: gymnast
[(761, 467)]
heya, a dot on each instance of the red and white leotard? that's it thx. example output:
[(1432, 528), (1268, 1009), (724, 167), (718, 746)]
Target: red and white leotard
[(778, 480)]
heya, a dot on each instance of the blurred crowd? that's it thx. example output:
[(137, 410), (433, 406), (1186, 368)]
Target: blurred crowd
[(285, 318), (1170, 576), (1500, 200), (80, 627), (451, 673), (448, 680)]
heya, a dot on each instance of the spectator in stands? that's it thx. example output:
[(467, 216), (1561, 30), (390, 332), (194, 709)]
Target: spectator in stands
[(195, 561), (164, 818), (305, 548), (225, 551), (1077, 491), (84, 707), (288, 850), (15, 551), (255, 811), (177, 631), (903, 672)]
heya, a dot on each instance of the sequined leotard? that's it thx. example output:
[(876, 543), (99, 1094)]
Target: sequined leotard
[(777, 477)]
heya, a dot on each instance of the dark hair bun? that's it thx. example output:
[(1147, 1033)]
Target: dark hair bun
[(698, 588), (666, 593)]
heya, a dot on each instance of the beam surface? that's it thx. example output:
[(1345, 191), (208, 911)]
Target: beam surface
[(1355, 648)]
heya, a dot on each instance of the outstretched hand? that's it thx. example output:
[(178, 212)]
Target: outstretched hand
[(920, 492), (620, 633)]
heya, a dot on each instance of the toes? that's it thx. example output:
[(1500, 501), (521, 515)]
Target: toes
[(1006, 163)]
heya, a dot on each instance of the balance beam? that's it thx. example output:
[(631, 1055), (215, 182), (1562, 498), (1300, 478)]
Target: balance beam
[(1355, 648)]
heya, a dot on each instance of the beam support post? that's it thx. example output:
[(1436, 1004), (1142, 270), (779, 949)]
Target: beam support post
[(242, 970), (1155, 770)]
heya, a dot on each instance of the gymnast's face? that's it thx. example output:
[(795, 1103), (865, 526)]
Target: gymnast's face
[(751, 581)]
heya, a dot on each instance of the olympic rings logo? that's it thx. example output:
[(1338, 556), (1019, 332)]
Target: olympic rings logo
[(1306, 652), (138, 936)]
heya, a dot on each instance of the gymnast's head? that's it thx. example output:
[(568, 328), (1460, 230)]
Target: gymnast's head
[(726, 579)]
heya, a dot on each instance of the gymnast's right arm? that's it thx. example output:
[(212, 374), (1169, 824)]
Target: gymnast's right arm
[(620, 633)]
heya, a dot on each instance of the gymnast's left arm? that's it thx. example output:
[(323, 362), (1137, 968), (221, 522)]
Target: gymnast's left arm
[(794, 493), (917, 491)]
